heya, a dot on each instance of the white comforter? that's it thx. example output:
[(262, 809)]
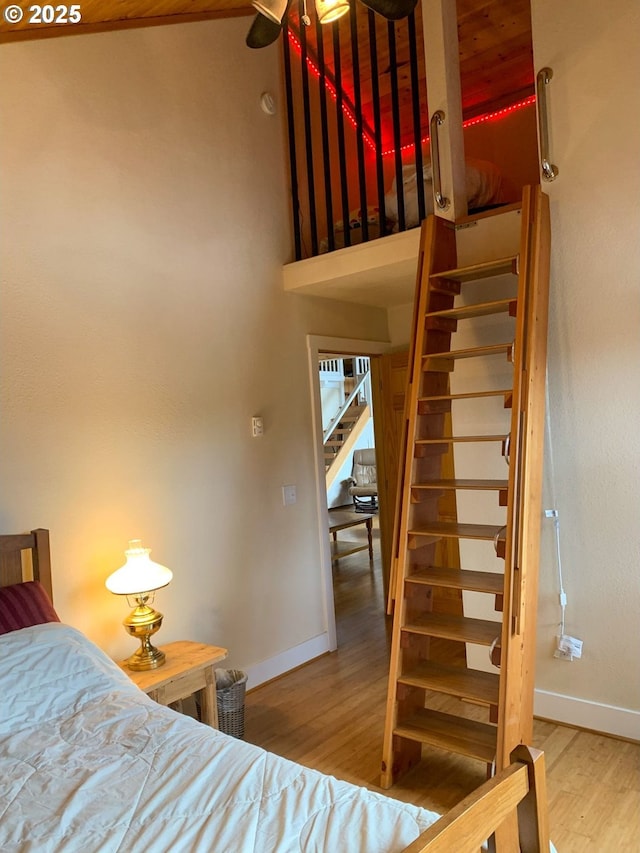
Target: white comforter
[(89, 763), (483, 185)]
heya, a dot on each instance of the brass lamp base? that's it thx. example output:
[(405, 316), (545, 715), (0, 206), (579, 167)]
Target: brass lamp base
[(143, 622), (143, 659)]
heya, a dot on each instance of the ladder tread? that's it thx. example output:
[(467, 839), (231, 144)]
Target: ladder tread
[(436, 404), (457, 681), (477, 309), (447, 626), (457, 530), (470, 352), (492, 582), (446, 731), (470, 395), (480, 485), (486, 269), (448, 439)]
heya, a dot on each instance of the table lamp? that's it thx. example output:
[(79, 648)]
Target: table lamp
[(138, 579)]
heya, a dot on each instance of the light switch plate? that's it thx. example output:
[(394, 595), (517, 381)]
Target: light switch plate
[(289, 495)]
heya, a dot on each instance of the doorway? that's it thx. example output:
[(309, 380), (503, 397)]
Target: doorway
[(388, 377)]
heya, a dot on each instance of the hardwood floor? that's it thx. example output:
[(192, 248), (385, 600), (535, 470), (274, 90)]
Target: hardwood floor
[(329, 715)]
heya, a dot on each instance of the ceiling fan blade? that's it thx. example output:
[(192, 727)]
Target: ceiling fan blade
[(262, 32), (392, 10)]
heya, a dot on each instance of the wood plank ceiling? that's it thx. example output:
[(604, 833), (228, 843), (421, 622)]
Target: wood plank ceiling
[(496, 65), (100, 15)]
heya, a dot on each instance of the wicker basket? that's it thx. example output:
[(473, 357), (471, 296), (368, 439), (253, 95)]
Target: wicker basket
[(230, 689)]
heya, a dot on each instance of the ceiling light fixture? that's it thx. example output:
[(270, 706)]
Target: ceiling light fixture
[(330, 10), (272, 15)]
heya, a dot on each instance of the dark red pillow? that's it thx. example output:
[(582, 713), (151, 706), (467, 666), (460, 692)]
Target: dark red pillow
[(23, 605)]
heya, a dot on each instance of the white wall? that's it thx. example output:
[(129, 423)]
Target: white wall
[(144, 223), (594, 355), (331, 400)]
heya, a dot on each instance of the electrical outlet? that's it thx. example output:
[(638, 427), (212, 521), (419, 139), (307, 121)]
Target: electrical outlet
[(568, 648), (562, 653), (257, 427)]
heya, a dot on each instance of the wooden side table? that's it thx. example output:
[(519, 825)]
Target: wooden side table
[(341, 520), (188, 670)]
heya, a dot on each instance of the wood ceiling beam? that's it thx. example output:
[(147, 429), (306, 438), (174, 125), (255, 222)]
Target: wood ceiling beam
[(22, 32)]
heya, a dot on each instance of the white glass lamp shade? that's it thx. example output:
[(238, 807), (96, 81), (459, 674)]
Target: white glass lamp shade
[(272, 9), (139, 574), (330, 10)]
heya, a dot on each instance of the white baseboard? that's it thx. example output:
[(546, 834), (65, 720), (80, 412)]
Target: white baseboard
[(583, 713), (586, 714), (264, 671)]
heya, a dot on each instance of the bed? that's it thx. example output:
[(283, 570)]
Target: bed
[(89, 763), (483, 183), (484, 190)]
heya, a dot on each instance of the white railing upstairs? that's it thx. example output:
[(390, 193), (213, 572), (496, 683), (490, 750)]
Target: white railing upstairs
[(332, 365)]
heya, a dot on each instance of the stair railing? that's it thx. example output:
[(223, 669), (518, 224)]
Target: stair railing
[(352, 396), (332, 365)]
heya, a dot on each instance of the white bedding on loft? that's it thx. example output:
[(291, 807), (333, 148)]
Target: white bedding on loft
[(89, 763), (483, 183)]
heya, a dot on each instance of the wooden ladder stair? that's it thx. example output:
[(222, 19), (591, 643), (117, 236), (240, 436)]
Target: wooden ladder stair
[(420, 686)]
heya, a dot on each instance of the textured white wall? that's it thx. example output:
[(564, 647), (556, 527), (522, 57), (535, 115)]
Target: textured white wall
[(594, 344), (144, 225)]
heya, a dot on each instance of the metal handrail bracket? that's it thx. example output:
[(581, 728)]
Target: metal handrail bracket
[(436, 120), (543, 78)]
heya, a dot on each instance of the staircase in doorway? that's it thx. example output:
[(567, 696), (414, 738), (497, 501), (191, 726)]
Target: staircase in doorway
[(355, 416), (349, 380)]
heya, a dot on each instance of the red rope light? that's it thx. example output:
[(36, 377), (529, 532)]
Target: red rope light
[(497, 115), (472, 122), (331, 89)]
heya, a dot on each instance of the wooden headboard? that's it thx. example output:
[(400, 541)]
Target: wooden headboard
[(25, 556)]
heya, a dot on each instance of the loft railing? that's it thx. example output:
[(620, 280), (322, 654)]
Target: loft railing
[(351, 73), (360, 142)]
